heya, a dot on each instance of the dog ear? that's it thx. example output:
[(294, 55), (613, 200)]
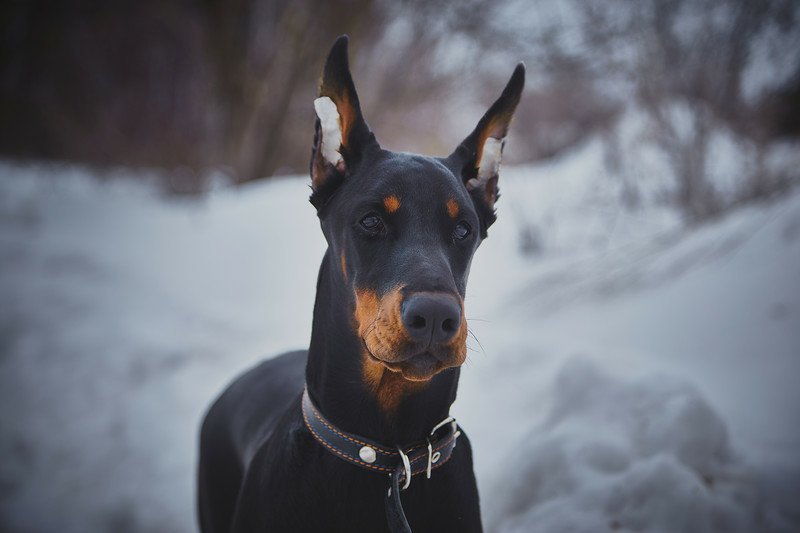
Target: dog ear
[(341, 134), (477, 158)]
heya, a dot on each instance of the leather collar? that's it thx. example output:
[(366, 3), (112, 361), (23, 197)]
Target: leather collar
[(400, 463)]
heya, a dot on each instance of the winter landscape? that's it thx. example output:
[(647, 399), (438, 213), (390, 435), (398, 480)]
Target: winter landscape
[(634, 313), (631, 374)]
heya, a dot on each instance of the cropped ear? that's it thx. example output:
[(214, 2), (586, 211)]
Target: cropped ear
[(477, 158), (341, 134)]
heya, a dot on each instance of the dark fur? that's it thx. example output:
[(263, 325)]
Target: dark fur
[(260, 469)]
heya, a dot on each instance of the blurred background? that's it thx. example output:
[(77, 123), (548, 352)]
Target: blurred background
[(187, 86), (635, 311)]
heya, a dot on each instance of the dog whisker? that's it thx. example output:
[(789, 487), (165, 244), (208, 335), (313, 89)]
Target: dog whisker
[(475, 337)]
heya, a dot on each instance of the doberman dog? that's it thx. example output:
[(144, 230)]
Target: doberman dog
[(326, 439)]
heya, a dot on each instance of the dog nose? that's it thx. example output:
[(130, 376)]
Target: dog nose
[(431, 317)]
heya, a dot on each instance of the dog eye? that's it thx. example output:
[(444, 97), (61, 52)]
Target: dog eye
[(371, 223), (462, 231)]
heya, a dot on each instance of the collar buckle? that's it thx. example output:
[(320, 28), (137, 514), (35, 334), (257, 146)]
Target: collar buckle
[(433, 457)]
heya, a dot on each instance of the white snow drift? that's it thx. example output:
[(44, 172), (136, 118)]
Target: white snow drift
[(124, 313)]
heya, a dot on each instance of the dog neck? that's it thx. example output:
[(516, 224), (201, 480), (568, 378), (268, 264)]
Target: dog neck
[(337, 385)]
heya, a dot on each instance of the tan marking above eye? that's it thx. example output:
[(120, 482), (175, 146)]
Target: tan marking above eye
[(452, 208), (391, 203)]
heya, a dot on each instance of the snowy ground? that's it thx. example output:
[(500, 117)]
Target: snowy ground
[(630, 377)]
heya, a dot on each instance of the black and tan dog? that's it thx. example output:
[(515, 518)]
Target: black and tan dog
[(328, 439)]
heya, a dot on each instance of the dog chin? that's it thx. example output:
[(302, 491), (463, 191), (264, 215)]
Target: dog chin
[(420, 367)]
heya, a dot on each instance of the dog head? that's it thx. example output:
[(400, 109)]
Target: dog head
[(402, 228)]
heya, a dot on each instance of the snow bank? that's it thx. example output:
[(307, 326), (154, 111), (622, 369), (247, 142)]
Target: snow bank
[(124, 313), (645, 454)]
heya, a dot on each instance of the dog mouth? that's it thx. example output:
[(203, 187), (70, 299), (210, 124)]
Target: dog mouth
[(419, 367)]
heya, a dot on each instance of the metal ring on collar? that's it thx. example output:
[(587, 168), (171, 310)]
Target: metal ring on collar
[(407, 467), (444, 422), (454, 427)]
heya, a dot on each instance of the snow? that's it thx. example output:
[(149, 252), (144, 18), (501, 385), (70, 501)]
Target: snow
[(629, 375), (627, 454)]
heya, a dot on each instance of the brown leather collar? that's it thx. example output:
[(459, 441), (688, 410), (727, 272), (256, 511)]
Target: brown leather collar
[(400, 463)]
